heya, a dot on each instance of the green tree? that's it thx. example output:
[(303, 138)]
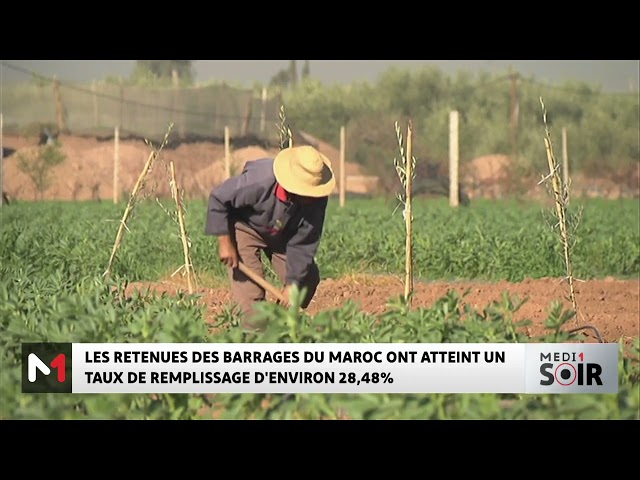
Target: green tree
[(280, 79), (306, 69), (160, 72), (37, 166)]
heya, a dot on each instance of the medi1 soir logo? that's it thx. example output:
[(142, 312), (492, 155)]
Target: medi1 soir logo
[(572, 368), (46, 368)]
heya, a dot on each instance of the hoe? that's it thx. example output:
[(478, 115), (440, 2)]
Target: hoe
[(258, 280)]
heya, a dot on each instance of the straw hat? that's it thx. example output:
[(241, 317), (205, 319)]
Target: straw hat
[(304, 171)]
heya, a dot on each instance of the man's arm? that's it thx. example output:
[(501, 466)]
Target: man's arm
[(303, 246), (236, 192)]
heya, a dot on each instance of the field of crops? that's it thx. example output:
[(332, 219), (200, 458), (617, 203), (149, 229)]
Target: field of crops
[(53, 256)]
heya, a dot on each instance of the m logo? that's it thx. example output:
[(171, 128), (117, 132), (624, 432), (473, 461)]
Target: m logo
[(35, 364), (46, 368)]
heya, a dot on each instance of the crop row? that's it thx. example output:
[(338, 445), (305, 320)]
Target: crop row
[(489, 241), (55, 309)]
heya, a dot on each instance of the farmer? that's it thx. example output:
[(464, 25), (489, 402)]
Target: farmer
[(276, 206)]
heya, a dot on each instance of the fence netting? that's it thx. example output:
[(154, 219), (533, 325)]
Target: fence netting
[(197, 112)]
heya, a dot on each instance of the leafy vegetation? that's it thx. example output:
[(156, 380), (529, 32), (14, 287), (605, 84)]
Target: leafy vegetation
[(52, 289), (162, 73), (602, 128), (489, 241), (37, 165)]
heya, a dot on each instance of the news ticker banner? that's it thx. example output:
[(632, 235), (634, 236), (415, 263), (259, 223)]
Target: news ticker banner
[(319, 368)]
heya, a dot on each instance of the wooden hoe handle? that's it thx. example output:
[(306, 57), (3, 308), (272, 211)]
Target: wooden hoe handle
[(261, 282)]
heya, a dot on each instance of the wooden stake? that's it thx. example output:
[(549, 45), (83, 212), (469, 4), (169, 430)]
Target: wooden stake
[(454, 195), (62, 125), (116, 163), (175, 192), (95, 103), (247, 118), (121, 105), (343, 173), (514, 113), (263, 112), (227, 153), (129, 209), (408, 283)]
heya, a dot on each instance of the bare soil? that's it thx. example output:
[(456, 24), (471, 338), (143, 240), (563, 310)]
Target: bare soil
[(610, 305), (88, 171)]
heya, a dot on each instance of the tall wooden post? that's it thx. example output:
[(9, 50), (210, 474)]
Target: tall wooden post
[(454, 193), (60, 117), (263, 113), (408, 284), (343, 169), (121, 109), (227, 153), (514, 114), (94, 96), (247, 117), (116, 163)]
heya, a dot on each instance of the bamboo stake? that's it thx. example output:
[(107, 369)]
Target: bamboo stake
[(285, 136), (565, 157), (408, 284), (561, 195), (183, 229), (405, 168), (562, 221), (127, 212), (565, 220)]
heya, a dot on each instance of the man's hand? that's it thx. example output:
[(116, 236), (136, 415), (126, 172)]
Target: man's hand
[(286, 293), (228, 252)]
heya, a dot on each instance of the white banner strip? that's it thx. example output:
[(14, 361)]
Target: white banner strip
[(344, 368)]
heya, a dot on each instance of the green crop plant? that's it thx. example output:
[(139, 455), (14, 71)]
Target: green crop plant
[(493, 241)]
